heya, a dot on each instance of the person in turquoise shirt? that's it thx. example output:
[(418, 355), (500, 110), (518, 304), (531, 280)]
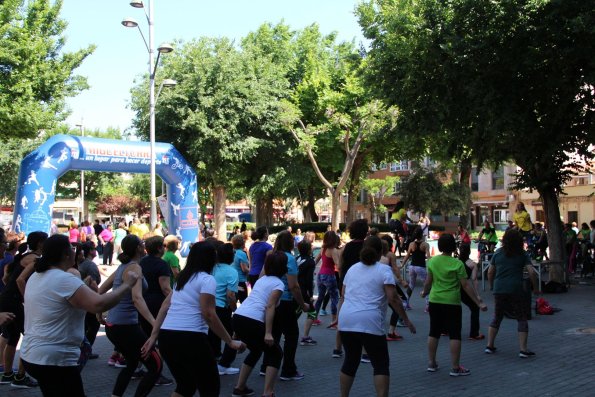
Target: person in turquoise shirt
[(119, 235), (225, 301), (241, 265)]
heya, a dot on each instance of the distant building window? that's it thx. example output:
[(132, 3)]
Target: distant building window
[(500, 216), (363, 196), (429, 162), (540, 216), (572, 216), (383, 166), (399, 166), (374, 168), (498, 179), (474, 180), (393, 167), (581, 180)]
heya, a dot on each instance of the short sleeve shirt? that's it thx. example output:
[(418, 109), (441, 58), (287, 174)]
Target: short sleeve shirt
[(509, 272), (184, 313), (174, 263), (292, 270), (240, 257), (227, 279), (365, 304), (54, 329), (447, 273), (258, 252), (154, 268), (255, 305)]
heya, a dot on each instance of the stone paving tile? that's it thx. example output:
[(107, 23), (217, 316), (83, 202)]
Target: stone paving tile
[(563, 367)]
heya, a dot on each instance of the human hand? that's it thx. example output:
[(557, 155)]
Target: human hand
[(100, 318), (483, 307), (268, 339), (306, 307), (145, 351), (6, 317), (410, 326), (238, 345)]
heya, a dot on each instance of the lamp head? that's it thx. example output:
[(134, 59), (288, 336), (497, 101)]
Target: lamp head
[(169, 83), (137, 4), (165, 48), (129, 23)]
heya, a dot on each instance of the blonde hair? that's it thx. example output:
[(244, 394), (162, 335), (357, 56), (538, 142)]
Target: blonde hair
[(171, 243)]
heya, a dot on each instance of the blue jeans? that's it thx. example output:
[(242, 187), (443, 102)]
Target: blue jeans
[(327, 282)]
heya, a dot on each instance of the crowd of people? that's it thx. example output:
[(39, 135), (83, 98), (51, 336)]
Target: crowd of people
[(249, 294)]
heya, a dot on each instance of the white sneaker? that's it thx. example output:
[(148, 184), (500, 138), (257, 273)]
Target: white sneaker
[(227, 370)]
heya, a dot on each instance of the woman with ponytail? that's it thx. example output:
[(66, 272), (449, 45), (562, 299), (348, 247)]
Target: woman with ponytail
[(123, 328), (55, 305)]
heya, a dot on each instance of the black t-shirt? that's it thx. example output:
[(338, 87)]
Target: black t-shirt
[(97, 229), (350, 255), (306, 268), (154, 267)]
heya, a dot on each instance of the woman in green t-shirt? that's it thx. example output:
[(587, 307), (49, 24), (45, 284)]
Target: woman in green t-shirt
[(446, 276)]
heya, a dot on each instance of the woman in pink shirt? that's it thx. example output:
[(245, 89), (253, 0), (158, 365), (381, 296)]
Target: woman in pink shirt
[(106, 237), (326, 279), (74, 234)]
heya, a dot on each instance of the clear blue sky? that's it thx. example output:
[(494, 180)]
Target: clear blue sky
[(121, 55)]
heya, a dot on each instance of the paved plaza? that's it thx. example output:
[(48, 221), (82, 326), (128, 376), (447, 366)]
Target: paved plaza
[(564, 364)]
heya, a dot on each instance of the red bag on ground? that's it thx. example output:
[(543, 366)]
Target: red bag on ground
[(543, 307)]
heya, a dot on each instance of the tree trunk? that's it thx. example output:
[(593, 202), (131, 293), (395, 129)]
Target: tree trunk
[(311, 208), (351, 194), (264, 211), (466, 168), (219, 212), (557, 253), (335, 209)]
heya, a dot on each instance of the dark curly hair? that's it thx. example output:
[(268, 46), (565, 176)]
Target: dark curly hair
[(512, 243)]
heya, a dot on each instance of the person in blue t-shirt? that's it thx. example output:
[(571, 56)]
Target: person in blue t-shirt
[(225, 304), (241, 265), (258, 251)]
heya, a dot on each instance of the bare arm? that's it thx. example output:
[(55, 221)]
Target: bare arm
[(232, 300), (426, 249), (427, 285), (407, 255), (270, 315), (107, 284), (491, 275), (92, 302), (472, 294), (137, 295), (27, 262), (533, 277), (148, 346), (164, 285), (207, 307)]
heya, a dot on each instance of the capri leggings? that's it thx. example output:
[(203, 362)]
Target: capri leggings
[(251, 332), (57, 381), (514, 304), (13, 330), (327, 283), (445, 318), (375, 346), (191, 361), (128, 340)]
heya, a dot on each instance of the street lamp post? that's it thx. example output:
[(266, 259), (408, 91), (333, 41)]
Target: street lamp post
[(162, 49), (81, 127)]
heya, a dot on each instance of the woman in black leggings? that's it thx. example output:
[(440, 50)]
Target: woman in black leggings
[(123, 328), (183, 323), (253, 323)]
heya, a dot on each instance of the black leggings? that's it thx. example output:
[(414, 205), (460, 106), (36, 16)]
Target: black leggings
[(57, 381), (229, 354), (394, 317), (286, 324), (375, 346), (191, 361), (466, 299), (251, 332), (91, 327), (242, 291), (128, 340), (252, 279), (108, 253)]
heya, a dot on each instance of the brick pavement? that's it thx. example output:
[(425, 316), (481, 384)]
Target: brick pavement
[(563, 365)]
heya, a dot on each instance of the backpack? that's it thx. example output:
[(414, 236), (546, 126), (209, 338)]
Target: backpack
[(543, 307)]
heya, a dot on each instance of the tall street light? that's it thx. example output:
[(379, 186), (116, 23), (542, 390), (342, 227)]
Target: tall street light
[(162, 49), (82, 179)]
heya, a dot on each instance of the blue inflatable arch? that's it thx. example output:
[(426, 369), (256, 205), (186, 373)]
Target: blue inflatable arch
[(61, 153)]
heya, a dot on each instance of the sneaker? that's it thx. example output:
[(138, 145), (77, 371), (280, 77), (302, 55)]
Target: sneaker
[(139, 373), (408, 306), (323, 313), (112, 360), (393, 337), (365, 358), (316, 322), (242, 392), (526, 354), (337, 353), (308, 341), (24, 383), (120, 363), (461, 371), (332, 325), (490, 350), (296, 376), (401, 324), (163, 381), (227, 370), (433, 368), (262, 373), (93, 356), (7, 379), (427, 309), (477, 337)]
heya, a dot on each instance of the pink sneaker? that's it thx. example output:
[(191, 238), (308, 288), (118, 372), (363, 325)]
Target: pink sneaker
[(112, 360), (316, 322)]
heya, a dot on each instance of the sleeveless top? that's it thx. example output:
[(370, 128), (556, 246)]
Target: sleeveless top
[(328, 265), (124, 313), (11, 295), (418, 257)]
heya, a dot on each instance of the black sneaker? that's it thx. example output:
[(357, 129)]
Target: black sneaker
[(24, 383), (526, 354), (7, 379), (337, 353), (246, 391), (163, 381), (93, 356), (365, 359), (296, 376), (490, 350)]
